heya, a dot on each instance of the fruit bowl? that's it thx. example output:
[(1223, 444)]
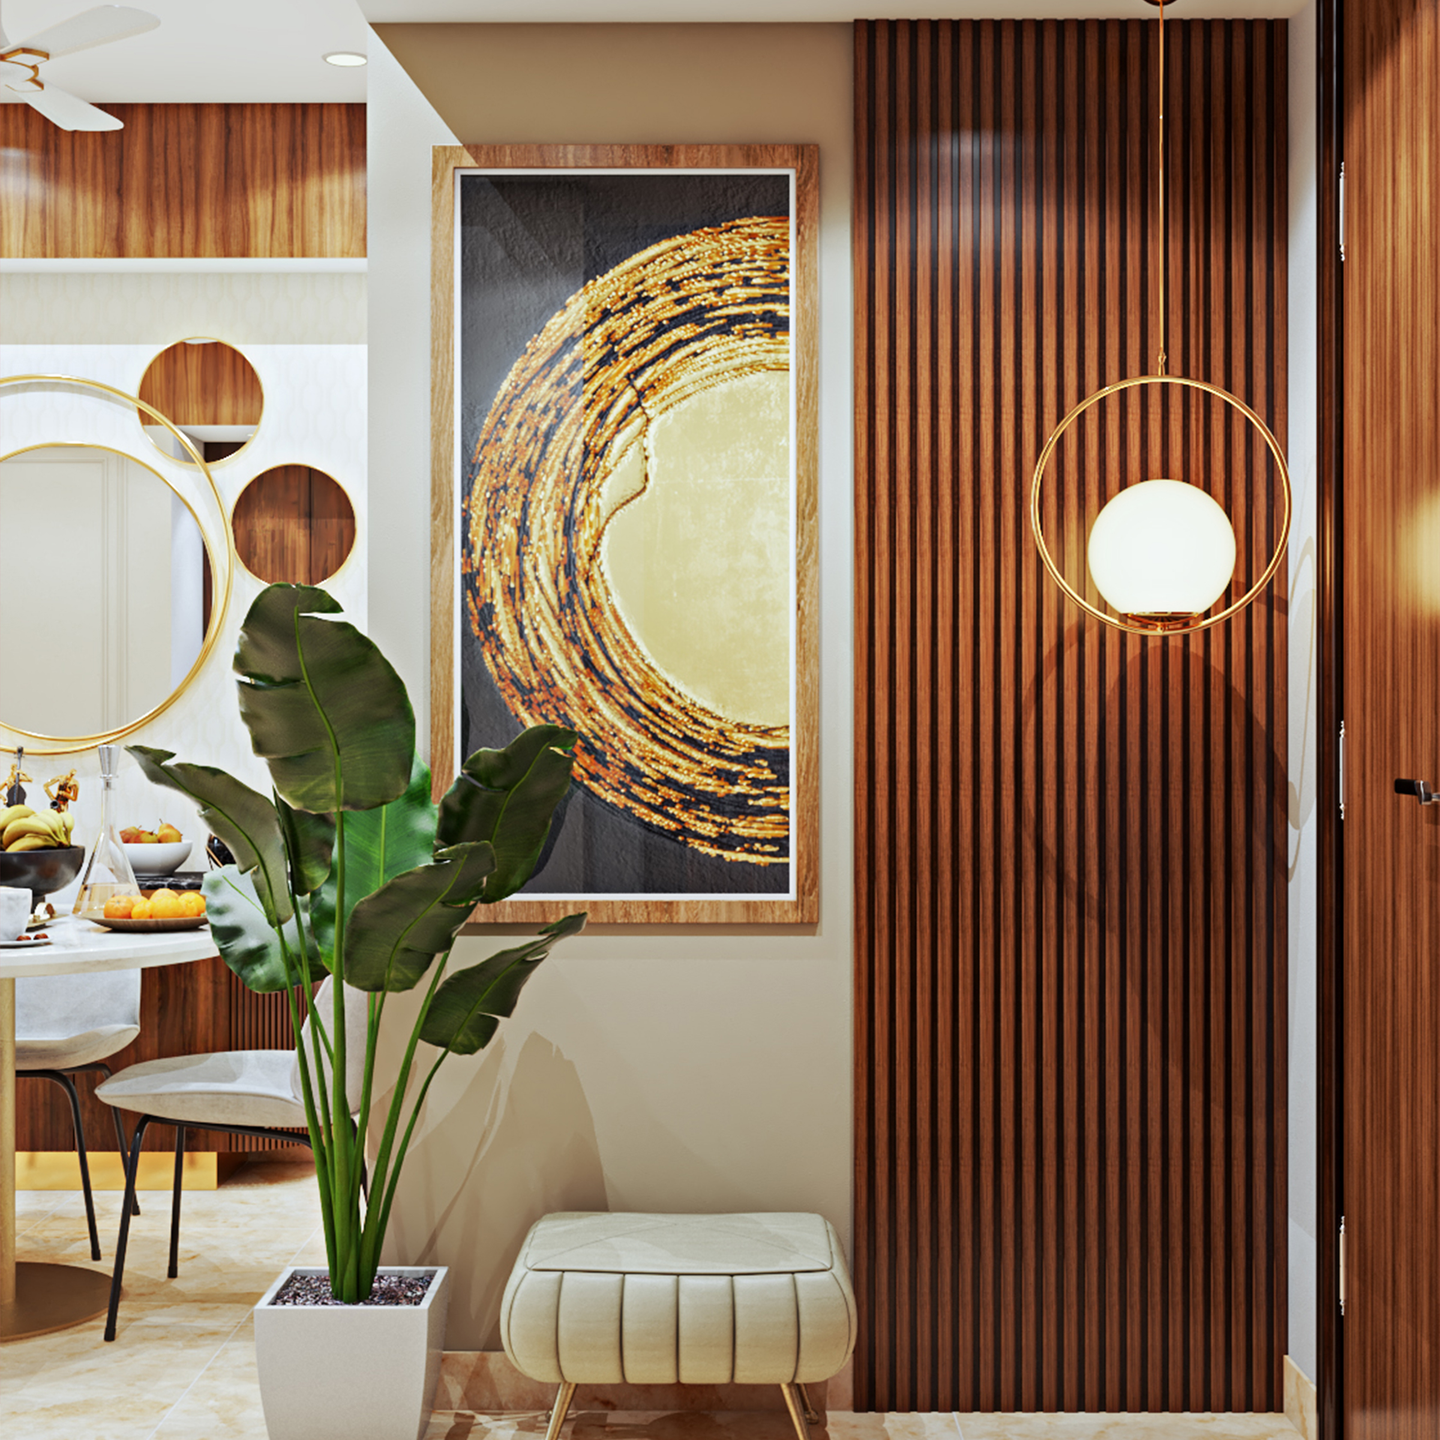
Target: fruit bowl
[(157, 859), (41, 872)]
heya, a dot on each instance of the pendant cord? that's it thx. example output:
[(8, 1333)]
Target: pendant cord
[(1161, 361)]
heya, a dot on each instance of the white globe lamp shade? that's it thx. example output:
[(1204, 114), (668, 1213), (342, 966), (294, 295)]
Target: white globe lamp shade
[(1162, 552)]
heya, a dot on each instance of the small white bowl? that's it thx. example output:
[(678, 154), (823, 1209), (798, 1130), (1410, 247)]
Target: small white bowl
[(158, 859)]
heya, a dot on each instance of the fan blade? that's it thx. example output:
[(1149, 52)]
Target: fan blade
[(68, 111), (91, 27)]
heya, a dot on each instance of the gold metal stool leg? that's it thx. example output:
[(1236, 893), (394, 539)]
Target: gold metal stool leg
[(563, 1396), (812, 1416), (797, 1416)]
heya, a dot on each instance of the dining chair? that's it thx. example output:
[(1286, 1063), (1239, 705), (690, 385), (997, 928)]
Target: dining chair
[(254, 1093), (66, 1025)]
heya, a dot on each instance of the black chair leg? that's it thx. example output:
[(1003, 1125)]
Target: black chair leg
[(106, 1071), (132, 1171), (68, 1085), (174, 1269)]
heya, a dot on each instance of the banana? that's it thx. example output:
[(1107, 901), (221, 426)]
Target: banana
[(13, 812), (59, 837), (29, 842), (67, 819), (27, 825)]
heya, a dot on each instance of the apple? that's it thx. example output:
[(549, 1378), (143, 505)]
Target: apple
[(130, 835), (148, 837)]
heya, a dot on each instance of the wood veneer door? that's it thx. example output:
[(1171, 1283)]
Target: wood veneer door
[(1391, 520)]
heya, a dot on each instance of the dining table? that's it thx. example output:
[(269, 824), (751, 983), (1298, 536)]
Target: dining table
[(37, 1297)]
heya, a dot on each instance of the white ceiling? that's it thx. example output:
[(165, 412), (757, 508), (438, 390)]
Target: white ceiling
[(208, 50), (270, 50)]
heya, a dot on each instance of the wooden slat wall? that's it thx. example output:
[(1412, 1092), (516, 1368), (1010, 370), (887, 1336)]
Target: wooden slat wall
[(185, 180), (1070, 859)]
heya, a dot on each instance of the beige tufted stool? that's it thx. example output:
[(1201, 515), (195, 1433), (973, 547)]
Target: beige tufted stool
[(602, 1299)]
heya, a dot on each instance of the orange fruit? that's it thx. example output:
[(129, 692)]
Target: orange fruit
[(140, 910), (118, 907), (165, 905), (192, 902), (164, 894)]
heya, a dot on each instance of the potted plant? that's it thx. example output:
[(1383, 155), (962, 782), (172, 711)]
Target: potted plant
[(350, 869)]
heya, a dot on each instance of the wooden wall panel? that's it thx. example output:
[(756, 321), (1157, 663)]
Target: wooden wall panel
[(1070, 858), (293, 525), (185, 180), (203, 385)]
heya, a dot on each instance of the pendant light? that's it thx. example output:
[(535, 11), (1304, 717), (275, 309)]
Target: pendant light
[(1162, 551)]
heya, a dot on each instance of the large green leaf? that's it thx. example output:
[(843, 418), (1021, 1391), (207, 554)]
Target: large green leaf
[(394, 935), (325, 709), (243, 818), (467, 1007), (248, 943), (379, 845), (508, 797), (309, 841)]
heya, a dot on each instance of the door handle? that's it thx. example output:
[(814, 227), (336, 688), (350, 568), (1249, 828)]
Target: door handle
[(1419, 789)]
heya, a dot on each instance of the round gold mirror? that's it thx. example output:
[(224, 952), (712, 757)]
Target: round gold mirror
[(208, 390), (116, 564), (293, 525), (115, 576)]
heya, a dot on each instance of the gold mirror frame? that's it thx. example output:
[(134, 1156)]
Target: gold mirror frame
[(71, 744), (1037, 486)]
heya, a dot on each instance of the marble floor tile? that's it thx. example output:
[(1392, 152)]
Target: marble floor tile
[(80, 1416), (850, 1426), (1125, 1427), (224, 1401)]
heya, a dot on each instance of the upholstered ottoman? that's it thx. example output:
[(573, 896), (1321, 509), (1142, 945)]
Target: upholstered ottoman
[(604, 1299)]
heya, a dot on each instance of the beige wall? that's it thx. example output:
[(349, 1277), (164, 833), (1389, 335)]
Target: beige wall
[(659, 1069)]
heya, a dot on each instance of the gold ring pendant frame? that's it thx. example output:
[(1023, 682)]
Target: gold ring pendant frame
[(71, 744), (1201, 622), (1166, 624)]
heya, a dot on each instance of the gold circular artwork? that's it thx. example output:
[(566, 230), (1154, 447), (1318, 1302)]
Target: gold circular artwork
[(665, 326), (1202, 622)]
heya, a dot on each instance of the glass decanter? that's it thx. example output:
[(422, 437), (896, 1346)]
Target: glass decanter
[(107, 867)]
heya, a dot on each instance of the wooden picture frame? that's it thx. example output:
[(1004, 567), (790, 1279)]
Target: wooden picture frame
[(677, 283)]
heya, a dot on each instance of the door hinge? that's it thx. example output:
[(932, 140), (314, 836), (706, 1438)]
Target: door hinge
[(1342, 212), (1342, 1265), (1342, 769)]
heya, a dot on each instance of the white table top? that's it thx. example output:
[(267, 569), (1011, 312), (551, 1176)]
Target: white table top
[(79, 947)]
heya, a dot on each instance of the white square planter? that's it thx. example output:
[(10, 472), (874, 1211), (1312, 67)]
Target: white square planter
[(350, 1372)]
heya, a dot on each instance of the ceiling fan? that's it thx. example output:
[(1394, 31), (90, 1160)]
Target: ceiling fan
[(21, 62)]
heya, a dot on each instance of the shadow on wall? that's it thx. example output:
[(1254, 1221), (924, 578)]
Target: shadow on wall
[(1156, 751), (534, 1151)]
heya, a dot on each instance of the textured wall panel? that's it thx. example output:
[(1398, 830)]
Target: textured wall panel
[(1070, 857)]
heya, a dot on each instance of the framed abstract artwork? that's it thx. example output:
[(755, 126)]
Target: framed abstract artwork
[(623, 513)]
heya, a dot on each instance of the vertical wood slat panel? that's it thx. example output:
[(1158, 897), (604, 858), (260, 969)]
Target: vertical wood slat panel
[(1070, 916)]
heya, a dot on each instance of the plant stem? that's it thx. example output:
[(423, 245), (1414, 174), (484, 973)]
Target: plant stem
[(402, 1081), (347, 1283), (373, 1234)]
